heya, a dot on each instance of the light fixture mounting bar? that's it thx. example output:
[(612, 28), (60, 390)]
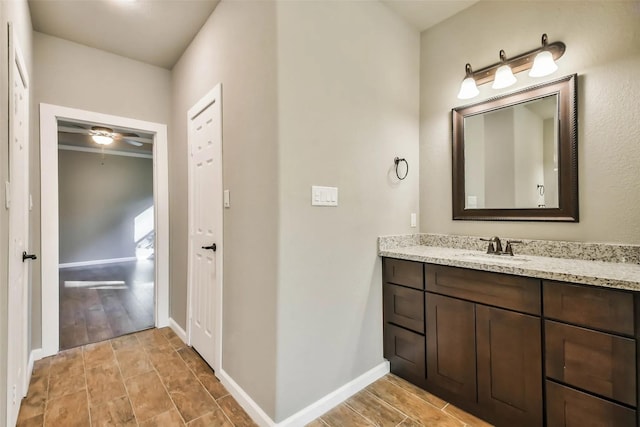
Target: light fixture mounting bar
[(518, 63)]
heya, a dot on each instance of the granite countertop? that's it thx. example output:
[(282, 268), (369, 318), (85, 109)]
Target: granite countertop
[(620, 275)]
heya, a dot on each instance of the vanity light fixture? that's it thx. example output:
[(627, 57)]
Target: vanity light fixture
[(540, 61), (543, 63), (504, 76), (468, 88)]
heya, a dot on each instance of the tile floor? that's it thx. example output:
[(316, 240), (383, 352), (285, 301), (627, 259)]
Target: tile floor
[(151, 378)]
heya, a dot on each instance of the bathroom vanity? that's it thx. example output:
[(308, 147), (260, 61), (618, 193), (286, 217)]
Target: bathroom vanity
[(522, 341)]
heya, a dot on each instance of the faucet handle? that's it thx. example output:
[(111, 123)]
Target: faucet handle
[(490, 248), (509, 249)]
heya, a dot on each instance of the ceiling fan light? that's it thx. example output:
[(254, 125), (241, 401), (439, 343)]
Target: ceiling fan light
[(504, 77), (543, 65), (468, 89), (102, 139)]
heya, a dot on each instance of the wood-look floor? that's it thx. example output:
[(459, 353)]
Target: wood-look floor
[(393, 402), (151, 378), (92, 314)]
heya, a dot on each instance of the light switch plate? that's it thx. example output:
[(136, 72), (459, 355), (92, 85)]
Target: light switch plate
[(324, 196), (227, 199)]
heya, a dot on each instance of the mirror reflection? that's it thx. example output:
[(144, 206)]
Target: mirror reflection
[(511, 156)]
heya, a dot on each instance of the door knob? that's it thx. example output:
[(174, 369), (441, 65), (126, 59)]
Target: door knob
[(212, 247), (26, 256)]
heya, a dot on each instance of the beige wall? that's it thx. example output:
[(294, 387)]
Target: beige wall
[(99, 198), (313, 94), (16, 12), (76, 76), (348, 86), (603, 47), (236, 47)]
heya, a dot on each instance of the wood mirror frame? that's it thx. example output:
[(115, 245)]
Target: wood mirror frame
[(567, 210)]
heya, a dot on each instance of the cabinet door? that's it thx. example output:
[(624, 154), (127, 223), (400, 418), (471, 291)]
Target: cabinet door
[(567, 407), (451, 346), (509, 347), (405, 352)]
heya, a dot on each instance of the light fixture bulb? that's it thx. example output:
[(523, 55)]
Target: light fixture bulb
[(102, 139), (504, 77), (468, 89), (543, 65)]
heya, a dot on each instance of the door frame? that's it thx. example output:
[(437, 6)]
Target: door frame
[(214, 96), (49, 116), (16, 57)]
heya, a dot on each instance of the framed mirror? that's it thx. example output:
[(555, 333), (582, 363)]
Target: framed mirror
[(515, 156)]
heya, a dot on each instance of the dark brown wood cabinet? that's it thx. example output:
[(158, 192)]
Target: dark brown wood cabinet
[(485, 359), (515, 351), (509, 360), (451, 347), (591, 356), (403, 312), (567, 407)]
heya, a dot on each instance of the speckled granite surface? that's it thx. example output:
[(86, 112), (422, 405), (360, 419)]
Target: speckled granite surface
[(618, 268)]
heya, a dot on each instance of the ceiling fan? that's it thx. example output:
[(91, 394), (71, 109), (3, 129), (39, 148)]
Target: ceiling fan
[(104, 136)]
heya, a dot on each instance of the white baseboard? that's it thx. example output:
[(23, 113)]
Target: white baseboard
[(248, 404), (178, 330), (311, 412), (97, 262)]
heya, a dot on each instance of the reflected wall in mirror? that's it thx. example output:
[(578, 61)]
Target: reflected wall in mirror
[(515, 156)]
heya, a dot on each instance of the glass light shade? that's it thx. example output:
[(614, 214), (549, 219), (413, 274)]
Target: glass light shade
[(504, 78), (102, 139), (468, 89), (543, 65)]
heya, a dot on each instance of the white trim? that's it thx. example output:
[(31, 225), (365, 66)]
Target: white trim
[(181, 333), (36, 354), (311, 412), (49, 116), (105, 152), (213, 96), (97, 262)]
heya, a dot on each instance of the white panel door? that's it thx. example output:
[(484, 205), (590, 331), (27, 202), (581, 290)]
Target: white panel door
[(18, 204), (205, 219)]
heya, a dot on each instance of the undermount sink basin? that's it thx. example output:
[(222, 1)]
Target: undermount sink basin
[(492, 259)]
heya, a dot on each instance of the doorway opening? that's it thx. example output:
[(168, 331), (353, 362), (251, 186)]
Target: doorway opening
[(107, 232), (93, 265)]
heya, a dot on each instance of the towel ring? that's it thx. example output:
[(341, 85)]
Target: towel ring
[(397, 161)]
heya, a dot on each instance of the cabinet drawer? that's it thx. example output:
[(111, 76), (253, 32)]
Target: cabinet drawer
[(405, 351), (567, 407), (501, 290), (589, 306), (404, 307), (401, 272), (594, 361)]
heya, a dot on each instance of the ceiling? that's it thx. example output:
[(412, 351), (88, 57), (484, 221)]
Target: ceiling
[(157, 32), (423, 14), (153, 31)]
